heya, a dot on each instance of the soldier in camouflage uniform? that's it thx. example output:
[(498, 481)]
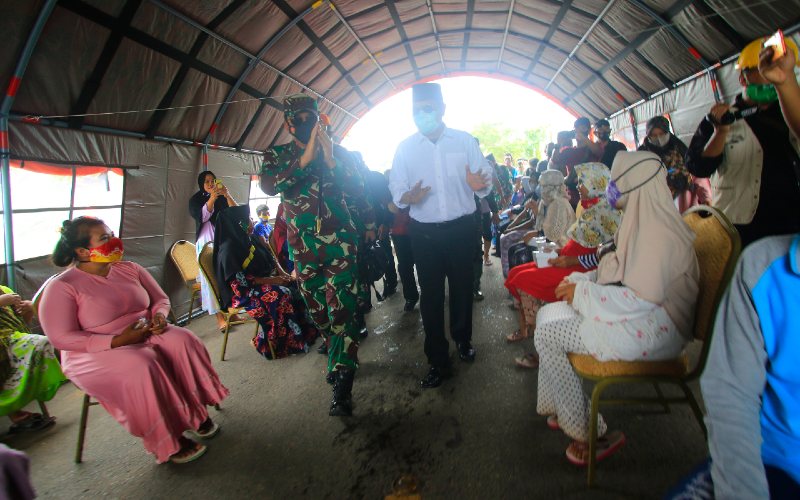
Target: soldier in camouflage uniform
[(313, 182)]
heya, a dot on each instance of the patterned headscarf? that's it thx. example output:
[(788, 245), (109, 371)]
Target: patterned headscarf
[(598, 223), (296, 103), (552, 183)]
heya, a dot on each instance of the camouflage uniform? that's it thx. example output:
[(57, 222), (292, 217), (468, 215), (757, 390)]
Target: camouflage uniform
[(504, 183), (322, 238)]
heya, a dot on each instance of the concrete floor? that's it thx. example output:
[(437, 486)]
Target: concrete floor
[(477, 436)]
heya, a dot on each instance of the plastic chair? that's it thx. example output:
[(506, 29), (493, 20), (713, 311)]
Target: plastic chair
[(207, 267), (718, 247), (184, 255)]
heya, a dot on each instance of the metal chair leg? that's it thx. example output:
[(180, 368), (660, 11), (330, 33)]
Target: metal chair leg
[(664, 403), (593, 411), (191, 306), (225, 339), (82, 429), (43, 409)]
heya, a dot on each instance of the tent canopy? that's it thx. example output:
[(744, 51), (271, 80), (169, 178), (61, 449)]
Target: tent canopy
[(216, 71)]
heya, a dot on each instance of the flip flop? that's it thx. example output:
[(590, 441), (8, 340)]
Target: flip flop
[(530, 361), (198, 452), (515, 337), (552, 423), (606, 446), (210, 433), (34, 422)]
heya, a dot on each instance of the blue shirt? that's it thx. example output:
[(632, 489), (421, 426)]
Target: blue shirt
[(440, 166), (262, 229)]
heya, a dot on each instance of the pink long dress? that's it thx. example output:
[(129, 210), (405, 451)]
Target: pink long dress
[(157, 389)]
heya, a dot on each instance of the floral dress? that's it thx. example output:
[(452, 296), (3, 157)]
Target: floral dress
[(285, 327), (32, 369)]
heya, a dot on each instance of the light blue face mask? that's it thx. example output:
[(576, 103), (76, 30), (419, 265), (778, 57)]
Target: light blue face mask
[(426, 122)]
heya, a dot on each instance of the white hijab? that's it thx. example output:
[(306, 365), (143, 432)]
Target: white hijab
[(655, 254)]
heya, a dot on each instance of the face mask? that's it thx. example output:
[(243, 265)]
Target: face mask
[(110, 251), (603, 136), (426, 122), (659, 141), (301, 130), (762, 93), (264, 218), (612, 194)]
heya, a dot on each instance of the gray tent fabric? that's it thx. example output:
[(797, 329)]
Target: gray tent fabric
[(142, 83)]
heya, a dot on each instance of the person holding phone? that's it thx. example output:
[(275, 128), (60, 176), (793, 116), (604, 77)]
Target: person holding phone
[(751, 161), (204, 207), (155, 379)]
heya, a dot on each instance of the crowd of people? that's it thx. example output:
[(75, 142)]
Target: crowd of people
[(593, 250)]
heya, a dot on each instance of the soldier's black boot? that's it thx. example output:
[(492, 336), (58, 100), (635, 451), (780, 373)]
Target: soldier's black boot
[(342, 402)]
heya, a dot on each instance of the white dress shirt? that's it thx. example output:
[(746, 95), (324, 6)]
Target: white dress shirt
[(440, 166)]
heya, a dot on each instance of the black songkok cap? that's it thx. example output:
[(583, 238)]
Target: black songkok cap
[(427, 92)]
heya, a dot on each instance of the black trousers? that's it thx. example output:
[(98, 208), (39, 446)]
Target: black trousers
[(390, 278), (405, 266), (445, 251)]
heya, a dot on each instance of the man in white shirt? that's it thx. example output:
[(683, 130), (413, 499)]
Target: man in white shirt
[(436, 172)]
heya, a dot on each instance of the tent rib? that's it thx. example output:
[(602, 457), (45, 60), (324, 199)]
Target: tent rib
[(436, 35), (719, 23), (180, 76), (92, 84), (505, 34), (468, 26), (398, 25), (360, 42), (251, 65), (671, 28), (630, 48), (562, 11)]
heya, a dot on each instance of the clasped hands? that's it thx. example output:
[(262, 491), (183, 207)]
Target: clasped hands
[(140, 331), (318, 142), (21, 307)]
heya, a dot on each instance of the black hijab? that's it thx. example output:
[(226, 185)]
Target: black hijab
[(237, 251), (199, 199)]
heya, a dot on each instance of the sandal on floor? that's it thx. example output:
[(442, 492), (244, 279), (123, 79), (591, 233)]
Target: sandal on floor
[(530, 360), (33, 422), (578, 453), (207, 434), (189, 455), (515, 337), (552, 423)]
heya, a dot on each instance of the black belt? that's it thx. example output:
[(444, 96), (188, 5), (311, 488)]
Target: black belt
[(445, 224)]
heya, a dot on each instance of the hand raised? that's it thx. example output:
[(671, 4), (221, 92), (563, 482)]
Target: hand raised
[(416, 195), (776, 72), (476, 181)]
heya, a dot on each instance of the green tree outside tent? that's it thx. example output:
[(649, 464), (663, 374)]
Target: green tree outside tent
[(496, 138)]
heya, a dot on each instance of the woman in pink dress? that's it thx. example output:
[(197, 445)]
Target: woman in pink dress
[(108, 318)]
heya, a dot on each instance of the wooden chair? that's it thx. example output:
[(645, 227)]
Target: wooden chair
[(717, 246), (87, 401), (207, 268), (184, 255)]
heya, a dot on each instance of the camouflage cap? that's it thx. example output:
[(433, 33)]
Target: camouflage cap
[(296, 103)]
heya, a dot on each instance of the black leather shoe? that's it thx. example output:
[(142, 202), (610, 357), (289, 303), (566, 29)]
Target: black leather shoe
[(389, 291), (409, 305), (466, 352), (323, 349), (434, 377), (478, 296), (342, 402), (363, 333)]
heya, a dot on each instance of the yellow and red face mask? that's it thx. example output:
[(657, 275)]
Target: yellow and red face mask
[(110, 251)]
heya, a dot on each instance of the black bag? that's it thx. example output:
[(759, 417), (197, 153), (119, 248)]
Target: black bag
[(519, 254), (373, 262)]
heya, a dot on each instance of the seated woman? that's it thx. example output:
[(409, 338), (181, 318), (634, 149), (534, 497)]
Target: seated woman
[(29, 369), (638, 304), (552, 214), (107, 317), (534, 286), (253, 280)]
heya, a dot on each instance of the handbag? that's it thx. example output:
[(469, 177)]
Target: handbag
[(519, 254)]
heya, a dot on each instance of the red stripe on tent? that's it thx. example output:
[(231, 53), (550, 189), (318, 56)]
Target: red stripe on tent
[(714, 84), (693, 51), (619, 97), (205, 159), (4, 140), (31, 119), (13, 86), (212, 129)]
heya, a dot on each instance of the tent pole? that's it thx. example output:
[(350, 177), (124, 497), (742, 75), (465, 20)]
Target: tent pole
[(5, 149)]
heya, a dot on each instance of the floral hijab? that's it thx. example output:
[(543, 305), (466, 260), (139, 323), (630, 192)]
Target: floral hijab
[(599, 222)]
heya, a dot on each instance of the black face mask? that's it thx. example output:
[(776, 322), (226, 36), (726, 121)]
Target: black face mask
[(301, 130)]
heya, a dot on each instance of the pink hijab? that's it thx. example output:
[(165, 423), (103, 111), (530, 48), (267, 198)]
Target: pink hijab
[(655, 254)]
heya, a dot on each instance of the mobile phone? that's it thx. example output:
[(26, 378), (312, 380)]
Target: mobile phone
[(218, 183), (778, 44)]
